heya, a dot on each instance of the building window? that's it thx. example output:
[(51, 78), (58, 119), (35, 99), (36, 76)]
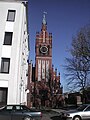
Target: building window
[(3, 96), (11, 15), (5, 65), (8, 38)]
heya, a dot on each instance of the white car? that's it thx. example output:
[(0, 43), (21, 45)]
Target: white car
[(81, 113)]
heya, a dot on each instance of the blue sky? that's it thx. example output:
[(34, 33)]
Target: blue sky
[(64, 19)]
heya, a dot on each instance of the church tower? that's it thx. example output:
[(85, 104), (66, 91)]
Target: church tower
[(43, 49), (46, 82)]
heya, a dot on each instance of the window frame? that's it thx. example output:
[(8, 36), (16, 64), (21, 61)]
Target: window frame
[(3, 60), (8, 41), (8, 15)]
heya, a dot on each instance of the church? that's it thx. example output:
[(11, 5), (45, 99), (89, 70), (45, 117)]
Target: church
[(43, 80)]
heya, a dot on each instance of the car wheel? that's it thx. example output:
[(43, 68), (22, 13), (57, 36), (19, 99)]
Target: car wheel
[(77, 118), (27, 118)]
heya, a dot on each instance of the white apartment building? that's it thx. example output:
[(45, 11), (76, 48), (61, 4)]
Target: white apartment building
[(14, 51)]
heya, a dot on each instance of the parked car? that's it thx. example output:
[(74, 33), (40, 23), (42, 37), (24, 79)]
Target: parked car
[(81, 113), (19, 112)]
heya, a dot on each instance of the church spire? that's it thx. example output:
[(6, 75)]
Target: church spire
[(44, 18), (44, 23)]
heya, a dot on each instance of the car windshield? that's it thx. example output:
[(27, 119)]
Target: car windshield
[(81, 108), (25, 108)]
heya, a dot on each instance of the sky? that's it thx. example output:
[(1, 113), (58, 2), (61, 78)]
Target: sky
[(64, 19)]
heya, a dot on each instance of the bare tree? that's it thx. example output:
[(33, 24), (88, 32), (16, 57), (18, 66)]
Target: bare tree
[(78, 65)]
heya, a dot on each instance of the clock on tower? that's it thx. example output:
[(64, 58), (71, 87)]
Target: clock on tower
[(44, 50)]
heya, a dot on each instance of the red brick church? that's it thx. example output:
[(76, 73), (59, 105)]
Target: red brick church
[(43, 80)]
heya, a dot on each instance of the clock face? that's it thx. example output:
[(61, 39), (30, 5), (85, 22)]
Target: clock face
[(44, 49)]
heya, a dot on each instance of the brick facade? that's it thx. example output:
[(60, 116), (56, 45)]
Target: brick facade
[(47, 86)]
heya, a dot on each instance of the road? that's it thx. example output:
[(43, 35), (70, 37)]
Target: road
[(50, 115)]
